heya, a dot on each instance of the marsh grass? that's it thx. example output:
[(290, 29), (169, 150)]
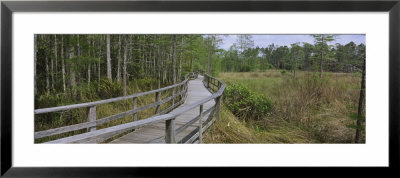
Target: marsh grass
[(306, 109)]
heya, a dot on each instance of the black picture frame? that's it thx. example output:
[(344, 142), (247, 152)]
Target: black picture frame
[(8, 7)]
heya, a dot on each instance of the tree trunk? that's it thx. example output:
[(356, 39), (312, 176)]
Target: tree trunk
[(109, 76), (88, 40), (163, 67), (47, 76), (141, 54), (159, 65), (52, 62), (99, 66), (62, 62), (180, 61), (360, 105), (173, 59), (322, 55), (72, 68), (52, 72), (35, 59), (125, 63), (77, 65), (210, 45), (119, 59)]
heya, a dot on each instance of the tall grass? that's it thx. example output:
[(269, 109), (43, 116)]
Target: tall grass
[(306, 109)]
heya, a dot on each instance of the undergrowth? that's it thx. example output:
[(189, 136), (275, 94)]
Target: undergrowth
[(244, 103)]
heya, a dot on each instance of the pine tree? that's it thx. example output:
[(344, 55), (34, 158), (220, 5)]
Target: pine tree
[(322, 48)]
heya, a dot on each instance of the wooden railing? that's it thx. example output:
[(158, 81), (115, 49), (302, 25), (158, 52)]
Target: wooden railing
[(96, 136)]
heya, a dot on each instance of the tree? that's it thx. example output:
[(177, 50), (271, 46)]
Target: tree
[(322, 48), (125, 63), (281, 55), (308, 50), (109, 76), (35, 61), (71, 67), (244, 42), (119, 59), (212, 42), (180, 57), (249, 57), (62, 62), (210, 47), (361, 102), (53, 61), (297, 55), (173, 59)]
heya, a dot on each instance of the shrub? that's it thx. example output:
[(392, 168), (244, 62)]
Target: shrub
[(246, 104), (146, 84), (244, 68), (283, 72), (108, 89)]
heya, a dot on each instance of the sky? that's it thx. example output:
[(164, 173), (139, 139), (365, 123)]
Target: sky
[(282, 40)]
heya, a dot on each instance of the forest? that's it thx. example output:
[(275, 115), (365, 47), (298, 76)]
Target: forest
[(77, 68)]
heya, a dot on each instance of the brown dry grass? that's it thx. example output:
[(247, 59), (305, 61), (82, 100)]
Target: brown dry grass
[(307, 109)]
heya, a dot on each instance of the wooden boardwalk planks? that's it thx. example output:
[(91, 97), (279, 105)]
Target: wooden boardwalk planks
[(155, 133)]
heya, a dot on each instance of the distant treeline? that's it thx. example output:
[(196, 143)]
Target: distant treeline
[(244, 57)]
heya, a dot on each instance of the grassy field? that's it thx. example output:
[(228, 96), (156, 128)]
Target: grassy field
[(306, 109)]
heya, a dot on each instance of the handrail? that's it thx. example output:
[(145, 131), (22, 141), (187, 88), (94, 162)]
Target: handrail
[(92, 122), (88, 104), (101, 135)]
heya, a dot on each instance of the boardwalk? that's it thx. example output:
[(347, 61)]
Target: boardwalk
[(155, 133)]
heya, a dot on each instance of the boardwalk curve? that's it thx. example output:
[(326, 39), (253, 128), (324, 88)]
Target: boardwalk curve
[(195, 97), (154, 133)]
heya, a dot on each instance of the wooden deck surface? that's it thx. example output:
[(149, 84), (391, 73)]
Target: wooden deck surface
[(155, 133)]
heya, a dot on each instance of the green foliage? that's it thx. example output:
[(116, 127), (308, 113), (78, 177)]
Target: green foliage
[(269, 66), (246, 104), (355, 117), (44, 101), (357, 74), (197, 67), (244, 68), (283, 72), (145, 84), (108, 89)]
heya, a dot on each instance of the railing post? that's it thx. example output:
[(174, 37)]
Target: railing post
[(92, 117), (182, 91), (158, 100), (213, 84), (201, 125), (218, 107), (173, 96), (208, 81), (170, 131), (187, 89), (134, 107), (216, 84)]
